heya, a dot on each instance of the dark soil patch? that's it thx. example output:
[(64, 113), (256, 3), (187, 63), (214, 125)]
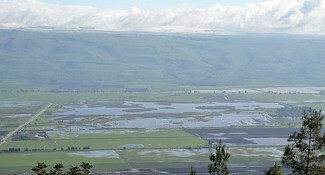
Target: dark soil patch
[(236, 136), (139, 110), (2, 133)]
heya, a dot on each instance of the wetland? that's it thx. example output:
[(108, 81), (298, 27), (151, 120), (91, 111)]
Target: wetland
[(148, 133)]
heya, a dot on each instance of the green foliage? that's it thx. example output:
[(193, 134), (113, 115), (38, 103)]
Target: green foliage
[(275, 170), (219, 159), (57, 169), (85, 168), (305, 152), (74, 170), (40, 169)]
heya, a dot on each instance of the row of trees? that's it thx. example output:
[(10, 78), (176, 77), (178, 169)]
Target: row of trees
[(72, 148), (10, 150), (304, 155)]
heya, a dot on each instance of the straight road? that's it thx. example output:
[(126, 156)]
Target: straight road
[(4, 140)]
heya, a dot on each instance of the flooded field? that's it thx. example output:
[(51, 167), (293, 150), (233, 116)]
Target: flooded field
[(163, 135), (151, 115), (183, 153), (223, 120), (7, 104), (245, 136), (96, 154), (149, 107)]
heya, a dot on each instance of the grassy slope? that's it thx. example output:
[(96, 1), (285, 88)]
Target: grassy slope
[(94, 59)]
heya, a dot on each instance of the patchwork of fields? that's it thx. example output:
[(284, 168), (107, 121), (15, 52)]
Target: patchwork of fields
[(144, 132)]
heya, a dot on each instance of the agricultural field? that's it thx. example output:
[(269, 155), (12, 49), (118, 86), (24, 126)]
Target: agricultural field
[(164, 132)]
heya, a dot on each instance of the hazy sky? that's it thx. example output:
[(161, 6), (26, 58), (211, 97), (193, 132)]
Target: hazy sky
[(148, 4), (213, 16)]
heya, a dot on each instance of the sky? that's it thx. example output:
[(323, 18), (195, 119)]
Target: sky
[(148, 4), (303, 17)]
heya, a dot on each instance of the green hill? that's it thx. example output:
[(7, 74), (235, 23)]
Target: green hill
[(93, 59)]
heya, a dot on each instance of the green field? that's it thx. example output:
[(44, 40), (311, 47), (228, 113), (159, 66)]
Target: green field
[(159, 139), (118, 140), (23, 162)]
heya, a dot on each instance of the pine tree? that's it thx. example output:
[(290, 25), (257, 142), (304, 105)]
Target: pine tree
[(305, 153), (57, 169), (85, 168), (74, 170), (219, 160), (40, 169), (275, 170)]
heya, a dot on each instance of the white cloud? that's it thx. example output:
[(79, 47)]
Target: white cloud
[(273, 16)]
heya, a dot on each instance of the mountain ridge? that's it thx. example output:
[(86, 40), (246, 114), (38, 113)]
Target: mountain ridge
[(96, 59)]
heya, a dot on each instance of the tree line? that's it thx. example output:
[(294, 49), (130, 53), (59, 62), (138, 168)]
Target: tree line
[(72, 148)]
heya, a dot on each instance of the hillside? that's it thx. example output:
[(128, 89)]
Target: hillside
[(67, 59)]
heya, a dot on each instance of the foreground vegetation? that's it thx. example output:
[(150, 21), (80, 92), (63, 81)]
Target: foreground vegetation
[(40, 169)]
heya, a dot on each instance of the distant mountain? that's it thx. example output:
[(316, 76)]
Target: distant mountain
[(76, 59)]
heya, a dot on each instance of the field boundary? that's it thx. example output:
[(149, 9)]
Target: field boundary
[(4, 140)]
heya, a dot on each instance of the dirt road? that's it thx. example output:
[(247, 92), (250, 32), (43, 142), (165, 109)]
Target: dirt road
[(4, 140)]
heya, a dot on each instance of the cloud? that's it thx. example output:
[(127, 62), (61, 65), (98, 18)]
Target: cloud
[(273, 16)]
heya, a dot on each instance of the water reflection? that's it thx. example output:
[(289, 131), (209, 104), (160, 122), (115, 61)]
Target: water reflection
[(191, 122), (149, 107)]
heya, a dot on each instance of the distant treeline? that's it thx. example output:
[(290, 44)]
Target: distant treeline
[(72, 148)]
